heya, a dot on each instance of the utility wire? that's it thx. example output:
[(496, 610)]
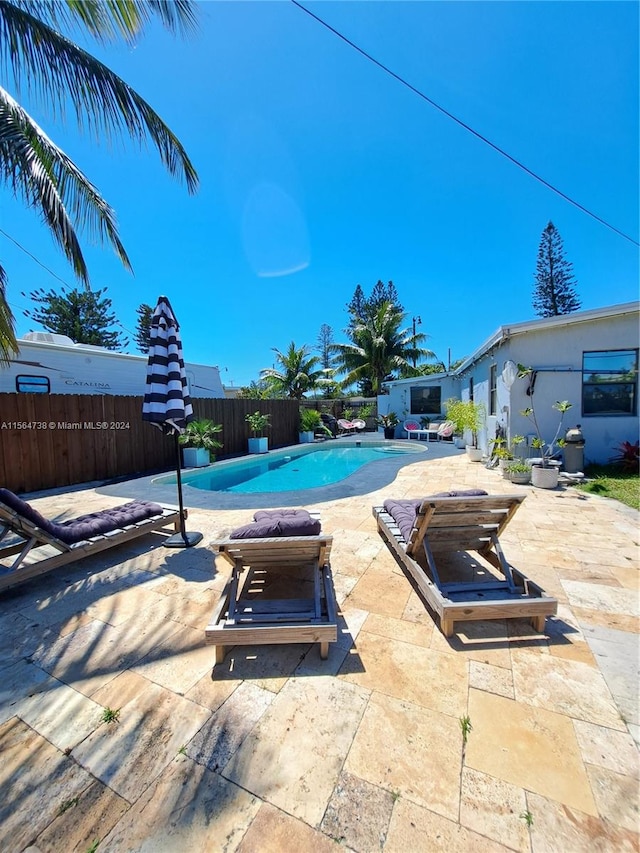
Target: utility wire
[(462, 124), (66, 283), (33, 257)]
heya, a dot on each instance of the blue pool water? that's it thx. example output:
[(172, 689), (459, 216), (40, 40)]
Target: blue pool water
[(292, 470)]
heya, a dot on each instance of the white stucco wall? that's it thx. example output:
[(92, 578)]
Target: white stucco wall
[(556, 351), (399, 398)]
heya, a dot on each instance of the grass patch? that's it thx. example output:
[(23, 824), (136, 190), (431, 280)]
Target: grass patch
[(608, 481), (111, 715), (68, 804), (465, 726)]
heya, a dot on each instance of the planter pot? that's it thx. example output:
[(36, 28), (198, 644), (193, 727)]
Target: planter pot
[(502, 467), (521, 478), (195, 457), (389, 432), (259, 445), (474, 453), (306, 437), (544, 478), (459, 442)]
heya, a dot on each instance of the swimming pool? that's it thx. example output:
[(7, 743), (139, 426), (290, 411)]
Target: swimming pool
[(293, 469)]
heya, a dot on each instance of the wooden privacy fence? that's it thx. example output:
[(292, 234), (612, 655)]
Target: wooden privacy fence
[(53, 440)]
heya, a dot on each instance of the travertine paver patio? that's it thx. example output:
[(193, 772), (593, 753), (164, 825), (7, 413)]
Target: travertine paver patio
[(278, 751)]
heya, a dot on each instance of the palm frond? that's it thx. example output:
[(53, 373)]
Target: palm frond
[(108, 20), (8, 343), (54, 69), (37, 170)]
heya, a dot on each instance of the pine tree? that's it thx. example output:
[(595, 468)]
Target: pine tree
[(325, 340), (383, 293), (364, 308), (82, 316), (143, 326), (555, 291), (356, 307)]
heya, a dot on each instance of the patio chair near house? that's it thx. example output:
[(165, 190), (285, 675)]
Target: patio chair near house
[(346, 427), (415, 428), (40, 544), (446, 430), (449, 544), (280, 589)]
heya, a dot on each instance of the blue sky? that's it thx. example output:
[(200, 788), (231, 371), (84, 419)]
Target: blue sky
[(320, 172)]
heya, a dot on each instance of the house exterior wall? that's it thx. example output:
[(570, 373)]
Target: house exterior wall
[(398, 399), (555, 350), (557, 354)]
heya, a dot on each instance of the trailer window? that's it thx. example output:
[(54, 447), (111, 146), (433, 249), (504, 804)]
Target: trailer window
[(26, 384)]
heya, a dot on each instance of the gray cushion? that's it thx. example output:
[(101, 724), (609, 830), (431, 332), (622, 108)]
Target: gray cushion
[(85, 526), (404, 512), (278, 522)]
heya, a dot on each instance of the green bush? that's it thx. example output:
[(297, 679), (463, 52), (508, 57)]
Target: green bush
[(310, 420), (201, 434)]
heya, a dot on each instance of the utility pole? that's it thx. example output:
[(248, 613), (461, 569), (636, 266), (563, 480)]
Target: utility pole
[(416, 320)]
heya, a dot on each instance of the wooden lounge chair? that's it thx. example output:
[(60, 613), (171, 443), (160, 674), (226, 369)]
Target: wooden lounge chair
[(42, 545), (280, 591), (433, 537)]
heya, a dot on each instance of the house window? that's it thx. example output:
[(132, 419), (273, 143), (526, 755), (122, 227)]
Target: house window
[(610, 382), (493, 390), (426, 401), (471, 387), (26, 384)]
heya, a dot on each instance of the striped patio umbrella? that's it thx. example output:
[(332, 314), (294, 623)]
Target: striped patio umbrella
[(167, 404)]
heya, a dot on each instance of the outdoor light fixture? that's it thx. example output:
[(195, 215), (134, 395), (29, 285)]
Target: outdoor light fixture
[(509, 373)]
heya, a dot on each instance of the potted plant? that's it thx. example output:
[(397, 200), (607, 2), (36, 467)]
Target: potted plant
[(198, 442), (258, 423), (501, 452), (518, 472), (310, 421), (467, 416), (505, 451), (454, 413), (389, 422), (366, 414), (544, 471)]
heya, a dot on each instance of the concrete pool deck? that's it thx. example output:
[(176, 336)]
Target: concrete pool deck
[(277, 751)]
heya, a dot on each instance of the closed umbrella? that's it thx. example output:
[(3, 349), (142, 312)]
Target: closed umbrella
[(167, 404)]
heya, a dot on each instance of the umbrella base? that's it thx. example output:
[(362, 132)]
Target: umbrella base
[(182, 540)]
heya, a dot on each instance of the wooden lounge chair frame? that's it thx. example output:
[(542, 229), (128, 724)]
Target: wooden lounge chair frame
[(455, 524), (39, 552), (242, 617)]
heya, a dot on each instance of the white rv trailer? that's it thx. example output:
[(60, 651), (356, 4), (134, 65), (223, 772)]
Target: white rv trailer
[(54, 364)]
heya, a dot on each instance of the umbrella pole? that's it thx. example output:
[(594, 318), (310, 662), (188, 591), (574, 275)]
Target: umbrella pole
[(181, 539)]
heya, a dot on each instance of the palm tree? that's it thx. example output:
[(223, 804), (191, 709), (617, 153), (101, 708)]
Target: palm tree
[(298, 373), (46, 63), (381, 348)]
